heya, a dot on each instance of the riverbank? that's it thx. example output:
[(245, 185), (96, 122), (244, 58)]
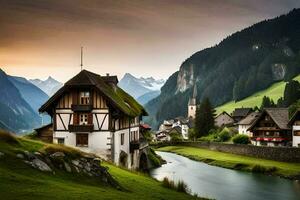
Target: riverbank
[(21, 181), (237, 162)]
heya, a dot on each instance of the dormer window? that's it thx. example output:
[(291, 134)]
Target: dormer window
[(84, 98)]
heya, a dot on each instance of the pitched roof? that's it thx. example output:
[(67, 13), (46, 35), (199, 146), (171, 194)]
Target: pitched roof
[(223, 113), (249, 119), (241, 112), (279, 115), (118, 97), (44, 126), (294, 117)]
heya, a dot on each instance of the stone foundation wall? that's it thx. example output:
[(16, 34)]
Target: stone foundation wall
[(285, 154)]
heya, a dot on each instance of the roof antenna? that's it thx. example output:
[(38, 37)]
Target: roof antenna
[(81, 58)]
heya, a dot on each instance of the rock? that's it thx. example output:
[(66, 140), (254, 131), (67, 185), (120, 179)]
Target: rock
[(29, 155), (21, 156), (57, 155), (67, 167), (75, 162), (41, 165), (37, 153)]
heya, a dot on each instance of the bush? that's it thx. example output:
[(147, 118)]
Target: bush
[(217, 135), (68, 151), (224, 135), (175, 137), (8, 137), (154, 158), (262, 169), (241, 139), (180, 186)]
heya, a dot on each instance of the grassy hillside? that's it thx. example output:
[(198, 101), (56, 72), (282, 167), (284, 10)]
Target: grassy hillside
[(20, 181), (274, 92)]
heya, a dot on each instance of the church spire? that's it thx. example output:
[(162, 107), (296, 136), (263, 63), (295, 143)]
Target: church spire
[(195, 91)]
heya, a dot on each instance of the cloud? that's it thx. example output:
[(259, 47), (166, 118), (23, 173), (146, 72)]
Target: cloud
[(125, 34)]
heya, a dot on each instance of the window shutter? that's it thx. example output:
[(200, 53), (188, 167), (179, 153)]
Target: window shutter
[(75, 98), (90, 118), (75, 119)]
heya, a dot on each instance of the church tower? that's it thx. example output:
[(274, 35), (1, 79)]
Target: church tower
[(192, 104)]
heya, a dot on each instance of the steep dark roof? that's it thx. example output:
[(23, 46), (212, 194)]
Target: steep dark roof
[(241, 112), (294, 117), (223, 113), (279, 115), (249, 119), (119, 98), (44, 126)]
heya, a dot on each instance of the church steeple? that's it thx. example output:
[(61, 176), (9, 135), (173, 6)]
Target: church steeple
[(192, 103)]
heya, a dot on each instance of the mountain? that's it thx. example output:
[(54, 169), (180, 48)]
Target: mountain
[(242, 64), (49, 86), (138, 87), (15, 113), (33, 95), (145, 98)]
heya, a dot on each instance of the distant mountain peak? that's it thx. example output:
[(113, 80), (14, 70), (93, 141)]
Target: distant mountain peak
[(137, 87), (49, 86)]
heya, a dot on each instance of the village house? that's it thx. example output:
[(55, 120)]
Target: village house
[(91, 113), (271, 128), (240, 113), (45, 133), (295, 124), (224, 119), (245, 123)]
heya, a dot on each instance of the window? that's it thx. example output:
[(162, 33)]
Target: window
[(82, 140), (122, 138), (83, 119), (84, 98), (296, 133), (60, 140)]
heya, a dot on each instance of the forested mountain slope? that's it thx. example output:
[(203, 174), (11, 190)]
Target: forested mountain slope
[(242, 64)]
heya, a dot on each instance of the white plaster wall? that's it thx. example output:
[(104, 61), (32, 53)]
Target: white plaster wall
[(296, 139), (70, 138), (243, 129), (184, 131), (118, 147), (192, 111)]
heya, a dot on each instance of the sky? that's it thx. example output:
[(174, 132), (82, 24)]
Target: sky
[(40, 38)]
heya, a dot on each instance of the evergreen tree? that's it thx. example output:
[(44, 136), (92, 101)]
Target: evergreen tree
[(205, 118), (267, 103), (291, 92)]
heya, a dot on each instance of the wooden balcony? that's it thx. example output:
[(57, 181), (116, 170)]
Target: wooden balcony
[(138, 144), (81, 107), (81, 128)]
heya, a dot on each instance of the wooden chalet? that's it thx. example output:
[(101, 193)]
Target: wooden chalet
[(92, 113), (271, 128)]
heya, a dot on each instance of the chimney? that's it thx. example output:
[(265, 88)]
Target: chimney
[(107, 74)]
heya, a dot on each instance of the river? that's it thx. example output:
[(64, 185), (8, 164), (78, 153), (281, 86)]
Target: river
[(225, 184)]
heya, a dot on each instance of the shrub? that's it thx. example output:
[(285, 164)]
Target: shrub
[(8, 137), (68, 151), (154, 158), (224, 135), (175, 137), (241, 139), (263, 169), (180, 186)]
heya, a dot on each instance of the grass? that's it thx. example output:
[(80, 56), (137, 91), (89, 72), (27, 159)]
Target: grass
[(20, 181), (233, 161), (275, 91)]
